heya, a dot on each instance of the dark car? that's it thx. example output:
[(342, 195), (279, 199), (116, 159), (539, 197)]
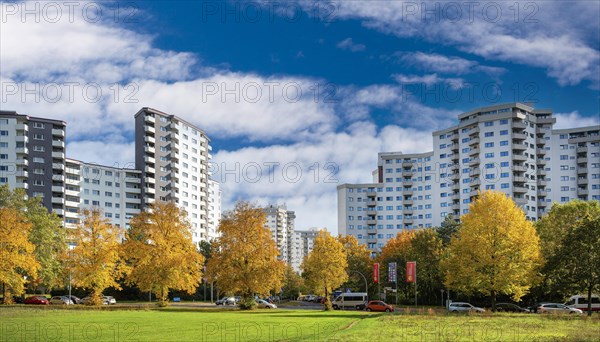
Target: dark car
[(510, 307), (75, 299), (40, 300), (377, 305)]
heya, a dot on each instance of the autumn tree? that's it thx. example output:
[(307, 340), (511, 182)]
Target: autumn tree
[(496, 250), (95, 261), (244, 257), (160, 252), (359, 262), (17, 258), (570, 240), (47, 234), (325, 266)]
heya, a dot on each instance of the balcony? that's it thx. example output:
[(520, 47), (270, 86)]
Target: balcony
[(58, 143), (371, 194), (519, 125), (22, 162), (541, 162), (23, 185), (22, 150), (520, 201), (519, 136), (371, 203), (474, 151), (71, 204), (149, 190), (582, 170), (577, 140), (542, 193), (582, 160), (149, 129), (58, 132), (541, 203), (58, 178), (542, 183), (582, 149), (22, 127), (59, 212), (520, 189), (22, 174), (519, 146), (474, 161), (149, 180), (371, 222), (582, 192), (519, 157), (541, 152), (149, 118), (71, 193), (582, 181), (58, 166), (22, 138), (133, 190), (541, 172), (58, 200), (149, 169), (371, 240), (474, 141), (543, 121), (475, 172), (149, 159), (149, 149), (59, 189), (58, 155), (149, 139)]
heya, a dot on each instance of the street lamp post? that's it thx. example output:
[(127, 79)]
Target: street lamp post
[(365, 278)]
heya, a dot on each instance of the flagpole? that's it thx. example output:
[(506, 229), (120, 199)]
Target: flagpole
[(415, 284)]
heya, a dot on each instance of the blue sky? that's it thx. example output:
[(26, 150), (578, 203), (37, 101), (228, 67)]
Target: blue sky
[(385, 77)]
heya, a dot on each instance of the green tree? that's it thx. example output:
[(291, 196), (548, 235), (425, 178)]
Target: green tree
[(359, 262), (496, 250), (325, 266), (447, 229), (570, 236), (244, 257), (293, 284), (17, 258), (427, 251), (47, 234), (160, 252)]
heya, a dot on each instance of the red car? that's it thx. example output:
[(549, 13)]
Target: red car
[(377, 305), (36, 300)]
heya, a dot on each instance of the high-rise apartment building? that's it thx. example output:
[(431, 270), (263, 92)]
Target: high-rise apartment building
[(171, 165), (117, 191), (173, 156), (510, 148), (281, 223), (32, 157), (302, 243), (214, 208)]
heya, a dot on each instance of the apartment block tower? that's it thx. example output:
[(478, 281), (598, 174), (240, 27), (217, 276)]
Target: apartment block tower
[(281, 222), (117, 190), (302, 244), (32, 157), (510, 148), (214, 208), (173, 156)]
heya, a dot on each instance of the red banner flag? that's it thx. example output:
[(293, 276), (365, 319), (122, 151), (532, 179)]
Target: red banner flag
[(411, 271), (376, 272)]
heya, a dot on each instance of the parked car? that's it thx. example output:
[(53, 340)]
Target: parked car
[(15, 300), (75, 299), (40, 300), (557, 308), (263, 304), (463, 307), (309, 298), (357, 300), (61, 300), (377, 305), (106, 300), (227, 301), (510, 307), (581, 302)]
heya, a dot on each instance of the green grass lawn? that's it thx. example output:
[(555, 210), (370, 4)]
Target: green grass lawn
[(183, 324)]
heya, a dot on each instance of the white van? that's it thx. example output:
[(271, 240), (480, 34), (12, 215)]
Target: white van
[(581, 302), (356, 300)]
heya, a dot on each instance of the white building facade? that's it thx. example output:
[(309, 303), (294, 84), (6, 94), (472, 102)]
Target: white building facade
[(214, 209), (509, 148), (281, 223)]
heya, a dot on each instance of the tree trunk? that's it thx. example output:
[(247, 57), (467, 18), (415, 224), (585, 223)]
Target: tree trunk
[(493, 301), (589, 304), (4, 292)]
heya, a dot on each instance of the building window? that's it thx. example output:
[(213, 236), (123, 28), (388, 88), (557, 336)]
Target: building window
[(38, 137)]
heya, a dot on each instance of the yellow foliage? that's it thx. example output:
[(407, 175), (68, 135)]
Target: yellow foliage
[(95, 261), (325, 267), (17, 258), (160, 252), (496, 251), (244, 259)]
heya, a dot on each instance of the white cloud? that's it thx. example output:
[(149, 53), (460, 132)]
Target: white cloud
[(429, 79), (348, 44), (566, 120), (448, 64), (560, 37)]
